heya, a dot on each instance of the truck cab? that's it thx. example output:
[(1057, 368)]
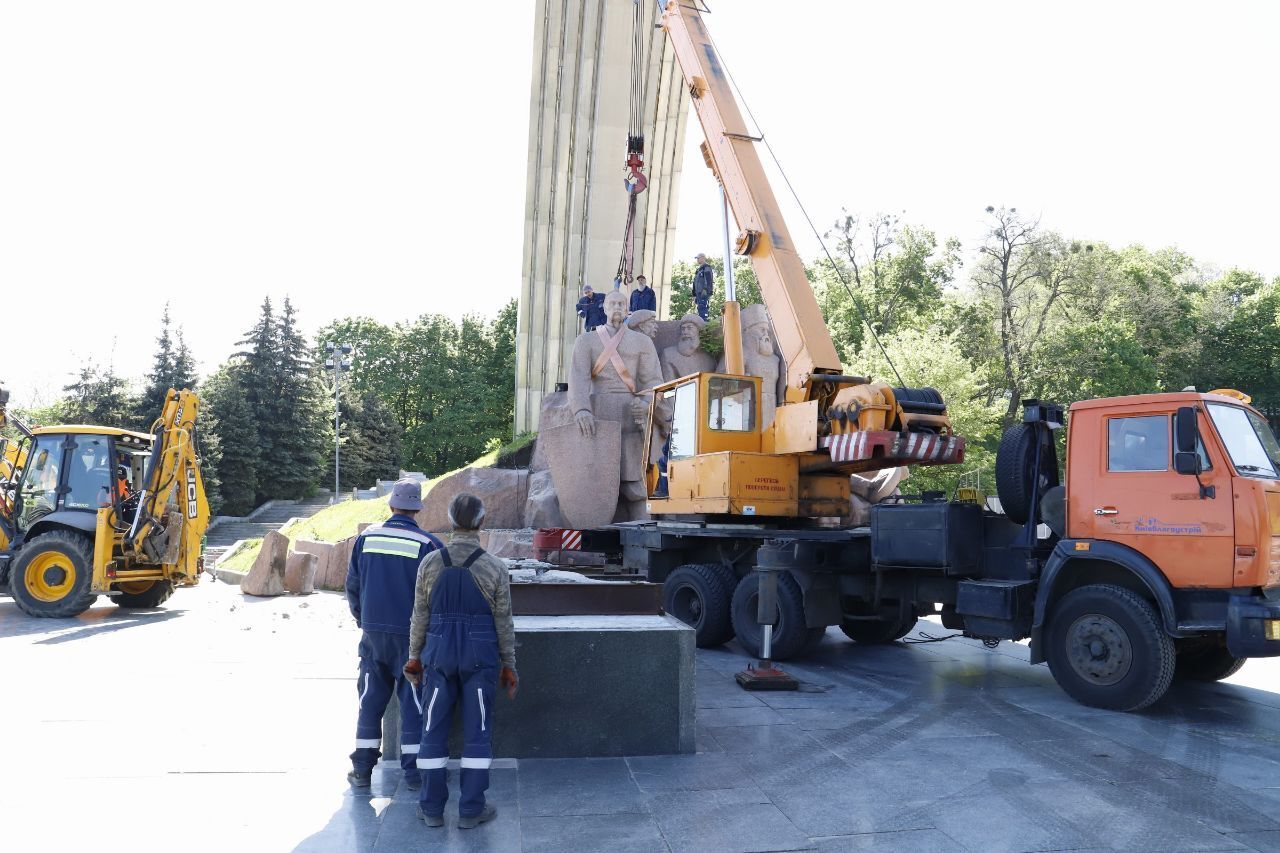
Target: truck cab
[(1170, 555)]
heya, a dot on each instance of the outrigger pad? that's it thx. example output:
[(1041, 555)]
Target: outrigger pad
[(765, 677)]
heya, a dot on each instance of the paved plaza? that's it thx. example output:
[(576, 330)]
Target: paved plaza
[(220, 723)]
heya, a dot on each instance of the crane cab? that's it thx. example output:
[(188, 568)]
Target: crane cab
[(705, 456)]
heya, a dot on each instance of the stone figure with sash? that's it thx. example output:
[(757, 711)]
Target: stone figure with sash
[(613, 369)]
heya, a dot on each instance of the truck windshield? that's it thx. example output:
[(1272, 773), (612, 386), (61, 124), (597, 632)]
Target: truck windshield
[(1249, 440)]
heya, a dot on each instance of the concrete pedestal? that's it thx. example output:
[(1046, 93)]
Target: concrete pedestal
[(593, 686)]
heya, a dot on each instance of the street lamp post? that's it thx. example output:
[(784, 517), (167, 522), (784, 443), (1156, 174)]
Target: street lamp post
[(337, 362)]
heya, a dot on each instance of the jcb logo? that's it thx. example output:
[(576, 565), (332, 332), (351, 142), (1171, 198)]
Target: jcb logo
[(192, 503)]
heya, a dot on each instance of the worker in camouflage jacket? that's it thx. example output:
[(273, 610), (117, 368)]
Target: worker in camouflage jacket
[(462, 615)]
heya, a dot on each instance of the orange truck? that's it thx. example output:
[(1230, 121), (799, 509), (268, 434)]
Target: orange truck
[(1159, 557)]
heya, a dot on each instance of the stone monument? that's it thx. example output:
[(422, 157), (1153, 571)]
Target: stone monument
[(687, 355), (613, 368), (760, 358)]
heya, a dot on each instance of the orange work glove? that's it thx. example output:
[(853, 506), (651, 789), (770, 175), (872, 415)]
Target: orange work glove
[(413, 672), (508, 681)]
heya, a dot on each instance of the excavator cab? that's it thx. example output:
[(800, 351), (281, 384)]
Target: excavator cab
[(89, 510)]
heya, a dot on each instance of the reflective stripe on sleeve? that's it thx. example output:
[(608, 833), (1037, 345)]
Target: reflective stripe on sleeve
[(433, 763), (474, 763), (368, 743)]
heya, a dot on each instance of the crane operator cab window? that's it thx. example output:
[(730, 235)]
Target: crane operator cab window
[(732, 404), (89, 473), (38, 495), (682, 402)]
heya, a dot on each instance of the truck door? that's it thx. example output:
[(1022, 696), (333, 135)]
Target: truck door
[(1134, 497)]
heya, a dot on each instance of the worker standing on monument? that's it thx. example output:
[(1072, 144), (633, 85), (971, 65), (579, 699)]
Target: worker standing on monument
[(703, 285), (591, 308), (643, 298), (380, 578), (462, 613)]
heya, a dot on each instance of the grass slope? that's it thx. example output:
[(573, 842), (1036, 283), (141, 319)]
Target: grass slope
[(335, 523)]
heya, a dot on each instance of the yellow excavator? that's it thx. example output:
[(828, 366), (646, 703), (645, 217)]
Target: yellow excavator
[(91, 510)]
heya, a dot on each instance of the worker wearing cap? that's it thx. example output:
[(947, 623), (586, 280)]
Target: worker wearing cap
[(703, 285), (591, 308), (380, 578), (643, 298), (462, 614)]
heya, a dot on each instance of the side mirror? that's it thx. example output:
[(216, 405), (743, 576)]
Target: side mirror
[(1187, 463), (1186, 430)]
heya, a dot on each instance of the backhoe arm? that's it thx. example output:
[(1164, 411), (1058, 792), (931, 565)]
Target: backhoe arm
[(730, 152), (173, 511)]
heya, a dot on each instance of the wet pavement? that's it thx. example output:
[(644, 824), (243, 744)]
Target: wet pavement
[(219, 723)]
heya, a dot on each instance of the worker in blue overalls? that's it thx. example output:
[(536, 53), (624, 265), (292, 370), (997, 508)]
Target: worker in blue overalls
[(380, 578), (462, 613)]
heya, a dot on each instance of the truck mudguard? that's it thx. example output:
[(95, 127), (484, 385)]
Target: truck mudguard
[(1065, 554), (85, 522)]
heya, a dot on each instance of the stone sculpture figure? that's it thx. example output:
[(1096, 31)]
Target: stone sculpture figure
[(760, 358), (612, 369), (687, 356), (645, 322)]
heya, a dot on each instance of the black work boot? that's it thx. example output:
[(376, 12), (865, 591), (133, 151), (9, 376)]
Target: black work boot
[(359, 779), (430, 819), (487, 814), (414, 782)]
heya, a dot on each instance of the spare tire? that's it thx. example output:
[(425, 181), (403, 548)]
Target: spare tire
[(1015, 470)]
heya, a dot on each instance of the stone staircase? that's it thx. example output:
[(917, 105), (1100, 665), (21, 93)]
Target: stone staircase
[(227, 533)]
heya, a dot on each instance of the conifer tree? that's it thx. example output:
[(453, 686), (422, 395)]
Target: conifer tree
[(229, 443)]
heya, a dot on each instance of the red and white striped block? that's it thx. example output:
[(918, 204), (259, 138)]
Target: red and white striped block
[(571, 540), (917, 447)]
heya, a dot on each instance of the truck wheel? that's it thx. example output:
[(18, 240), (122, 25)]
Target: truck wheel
[(1108, 648), (790, 634), (698, 595), (53, 575), (143, 593), (1207, 663), (878, 631)]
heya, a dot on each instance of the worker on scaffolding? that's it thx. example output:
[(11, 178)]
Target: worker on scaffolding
[(591, 308), (703, 285), (643, 297)]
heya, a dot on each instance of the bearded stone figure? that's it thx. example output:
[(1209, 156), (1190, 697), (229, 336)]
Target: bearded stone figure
[(760, 358), (613, 368), (687, 356)]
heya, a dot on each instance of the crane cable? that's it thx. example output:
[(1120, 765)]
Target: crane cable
[(857, 304), (634, 181)]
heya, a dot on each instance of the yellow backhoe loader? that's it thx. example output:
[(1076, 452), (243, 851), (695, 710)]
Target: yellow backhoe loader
[(90, 510)]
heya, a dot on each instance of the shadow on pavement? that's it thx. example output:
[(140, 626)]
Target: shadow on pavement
[(13, 623)]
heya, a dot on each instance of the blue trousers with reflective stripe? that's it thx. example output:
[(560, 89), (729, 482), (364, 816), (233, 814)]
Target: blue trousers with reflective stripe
[(460, 665), (473, 693), (382, 659)]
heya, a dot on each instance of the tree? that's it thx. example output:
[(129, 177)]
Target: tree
[(299, 416), (1022, 274), (172, 367), (933, 357), (228, 419), (98, 397)]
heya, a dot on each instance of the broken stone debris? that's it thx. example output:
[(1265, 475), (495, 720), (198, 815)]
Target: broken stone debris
[(503, 491)]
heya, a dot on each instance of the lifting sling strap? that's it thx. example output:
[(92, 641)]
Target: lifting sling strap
[(610, 355)]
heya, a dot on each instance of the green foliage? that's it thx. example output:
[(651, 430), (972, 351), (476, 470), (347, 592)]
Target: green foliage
[(449, 385), (371, 446), (228, 420), (172, 367), (932, 357), (97, 396)]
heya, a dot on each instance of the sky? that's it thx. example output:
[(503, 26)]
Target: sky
[(369, 159)]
